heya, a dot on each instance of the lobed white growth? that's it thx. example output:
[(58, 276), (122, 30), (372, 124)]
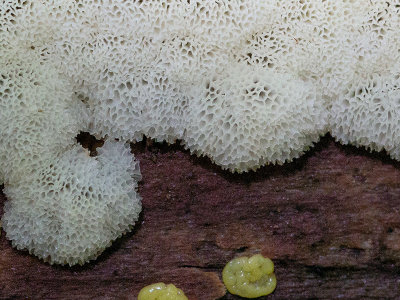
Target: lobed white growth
[(250, 116), (375, 119), (66, 207), (71, 208), (246, 83)]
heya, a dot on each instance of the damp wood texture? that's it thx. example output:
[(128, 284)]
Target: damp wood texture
[(329, 221)]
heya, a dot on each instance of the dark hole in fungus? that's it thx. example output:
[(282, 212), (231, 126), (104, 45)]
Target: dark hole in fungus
[(89, 142)]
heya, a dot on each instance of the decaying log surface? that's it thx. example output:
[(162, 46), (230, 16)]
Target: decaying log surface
[(330, 221)]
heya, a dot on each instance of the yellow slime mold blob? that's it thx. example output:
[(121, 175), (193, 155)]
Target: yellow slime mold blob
[(161, 291), (250, 277)]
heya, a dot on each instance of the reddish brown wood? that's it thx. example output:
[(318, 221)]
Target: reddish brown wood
[(330, 221)]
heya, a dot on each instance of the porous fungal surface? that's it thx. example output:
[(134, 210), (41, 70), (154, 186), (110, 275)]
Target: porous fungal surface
[(245, 83)]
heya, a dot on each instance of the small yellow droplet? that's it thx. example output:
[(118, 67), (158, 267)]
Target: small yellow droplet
[(250, 277), (161, 291)]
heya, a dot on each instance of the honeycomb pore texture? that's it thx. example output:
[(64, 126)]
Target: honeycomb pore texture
[(245, 83)]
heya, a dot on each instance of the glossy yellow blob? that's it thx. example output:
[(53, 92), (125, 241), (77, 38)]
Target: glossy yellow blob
[(161, 291), (250, 277)]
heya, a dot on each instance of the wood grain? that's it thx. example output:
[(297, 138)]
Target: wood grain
[(330, 221)]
